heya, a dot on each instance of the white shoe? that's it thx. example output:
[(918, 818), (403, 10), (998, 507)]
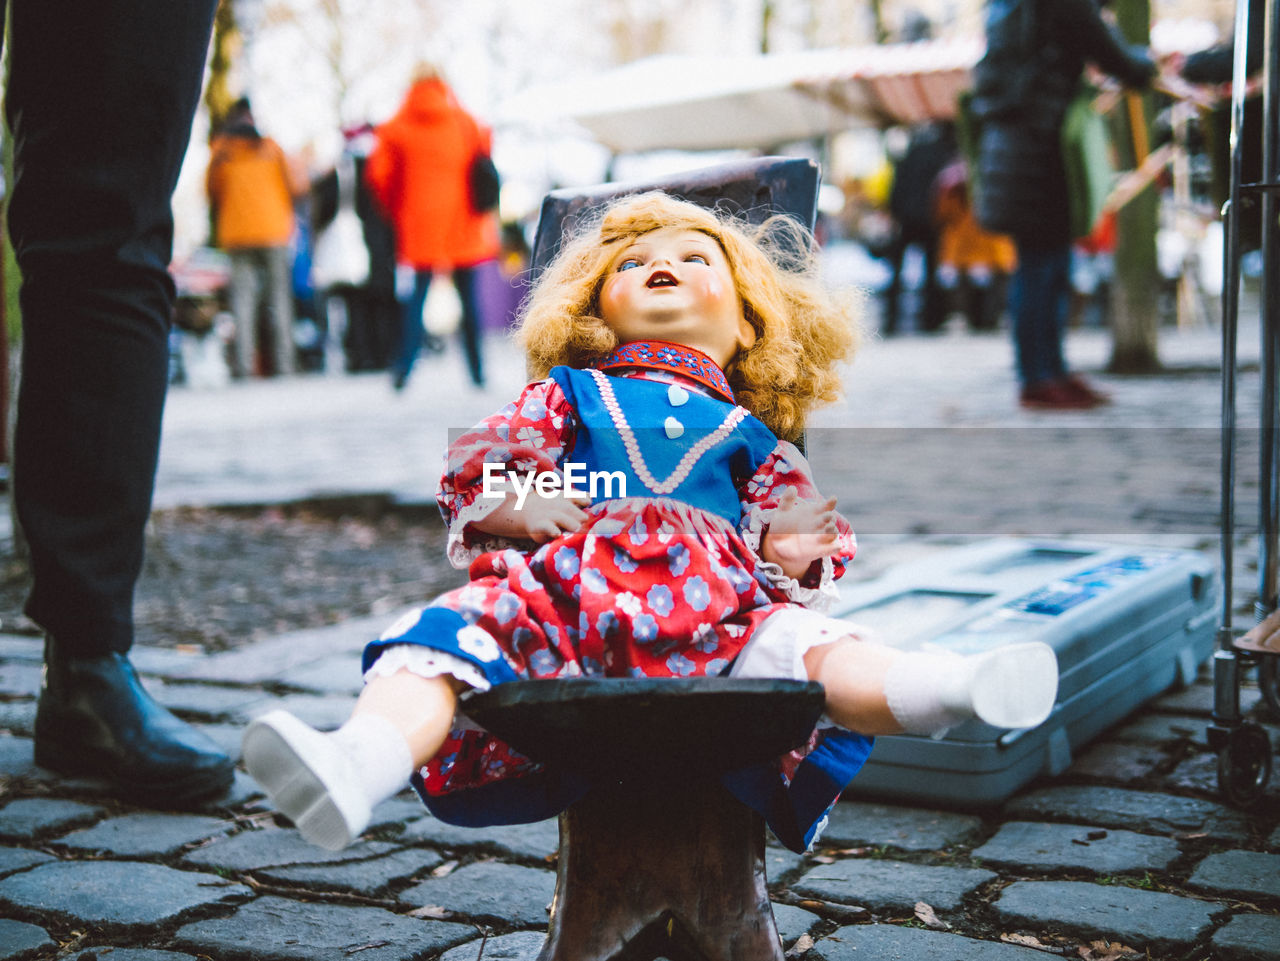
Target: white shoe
[(1013, 686), (308, 778)]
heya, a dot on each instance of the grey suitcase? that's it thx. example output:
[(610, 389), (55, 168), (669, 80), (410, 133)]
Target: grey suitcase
[(1126, 624)]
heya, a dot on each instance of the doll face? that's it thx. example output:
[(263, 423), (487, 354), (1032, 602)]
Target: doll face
[(675, 284)]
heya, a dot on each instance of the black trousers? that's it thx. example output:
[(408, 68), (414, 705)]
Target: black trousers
[(100, 103)]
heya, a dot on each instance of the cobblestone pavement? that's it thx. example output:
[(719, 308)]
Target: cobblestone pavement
[(1130, 848)]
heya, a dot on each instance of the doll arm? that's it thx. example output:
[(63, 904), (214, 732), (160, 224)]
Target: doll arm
[(785, 475), (531, 434)]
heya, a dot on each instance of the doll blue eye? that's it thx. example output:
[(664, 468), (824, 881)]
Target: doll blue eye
[(628, 264), (697, 259)]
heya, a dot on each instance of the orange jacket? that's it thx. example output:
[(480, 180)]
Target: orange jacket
[(251, 187), (418, 173)]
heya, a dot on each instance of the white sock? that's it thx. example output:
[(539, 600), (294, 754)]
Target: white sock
[(1012, 686), (378, 753), (925, 692)]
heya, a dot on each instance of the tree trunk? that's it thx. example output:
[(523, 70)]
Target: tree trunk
[(217, 92), (877, 19), (1134, 295)]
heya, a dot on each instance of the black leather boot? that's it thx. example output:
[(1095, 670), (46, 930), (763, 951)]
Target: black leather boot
[(94, 719)]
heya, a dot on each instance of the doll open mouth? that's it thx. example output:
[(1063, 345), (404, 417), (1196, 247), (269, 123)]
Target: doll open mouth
[(661, 278)]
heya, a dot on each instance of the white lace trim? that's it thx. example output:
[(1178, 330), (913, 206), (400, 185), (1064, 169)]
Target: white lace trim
[(460, 555), (425, 662), (820, 598)]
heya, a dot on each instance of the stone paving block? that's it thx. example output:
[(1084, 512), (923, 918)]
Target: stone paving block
[(243, 790), (276, 929), (534, 842), (1248, 937), (1198, 699), (1148, 812), (911, 829), (793, 922), (1250, 873), (339, 674), (143, 834), (276, 659), (18, 938), (1117, 762), (1196, 772), (1049, 846), (1149, 728), (520, 946), (18, 717), (888, 942), (780, 862), (133, 954), (115, 894), (326, 712), (360, 877), (226, 736), (21, 677), (400, 810), (508, 892), (165, 661), (17, 758), (1141, 919), (274, 847), (882, 884), (203, 700), (21, 648), (19, 859), (26, 818)]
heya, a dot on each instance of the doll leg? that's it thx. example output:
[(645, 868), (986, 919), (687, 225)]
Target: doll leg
[(873, 689), (853, 672), (328, 783)]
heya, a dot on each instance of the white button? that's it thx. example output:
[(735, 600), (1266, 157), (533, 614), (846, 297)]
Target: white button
[(677, 395), (673, 427)]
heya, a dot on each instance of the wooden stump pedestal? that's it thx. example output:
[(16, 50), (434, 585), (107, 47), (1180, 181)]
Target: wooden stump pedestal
[(658, 859)]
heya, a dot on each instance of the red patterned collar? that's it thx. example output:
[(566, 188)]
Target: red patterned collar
[(660, 355)]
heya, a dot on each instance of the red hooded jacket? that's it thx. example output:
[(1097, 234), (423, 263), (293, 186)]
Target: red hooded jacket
[(418, 173)]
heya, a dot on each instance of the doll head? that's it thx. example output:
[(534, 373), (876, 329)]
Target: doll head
[(794, 330)]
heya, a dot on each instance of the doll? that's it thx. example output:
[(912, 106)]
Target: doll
[(641, 509)]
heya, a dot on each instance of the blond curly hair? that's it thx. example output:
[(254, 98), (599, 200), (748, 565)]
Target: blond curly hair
[(803, 329)]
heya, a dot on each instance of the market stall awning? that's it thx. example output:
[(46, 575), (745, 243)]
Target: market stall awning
[(712, 103)]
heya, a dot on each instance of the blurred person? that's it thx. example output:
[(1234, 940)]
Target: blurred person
[(1036, 53), (502, 285), (974, 264), (251, 186), (368, 300), (929, 149), (1214, 66), (101, 116), (1092, 271), (419, 171)]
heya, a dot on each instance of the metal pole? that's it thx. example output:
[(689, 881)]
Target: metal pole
[(1226, 700), (1269, 466)]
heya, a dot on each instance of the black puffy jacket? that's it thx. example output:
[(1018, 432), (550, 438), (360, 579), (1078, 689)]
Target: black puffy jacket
[(1036, 52)]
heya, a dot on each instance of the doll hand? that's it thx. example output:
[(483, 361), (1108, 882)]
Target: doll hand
[(538, 518), (546, 518), (800, 532)]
